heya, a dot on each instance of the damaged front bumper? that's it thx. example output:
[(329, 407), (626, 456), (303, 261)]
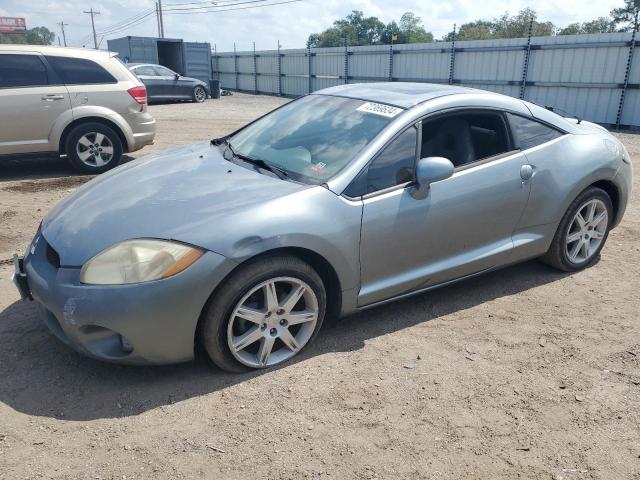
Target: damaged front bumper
[(147, 323)]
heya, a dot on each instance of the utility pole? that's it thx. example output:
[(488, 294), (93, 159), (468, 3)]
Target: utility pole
[(158, 18), (161, 19), (64, 37), (93, 26)]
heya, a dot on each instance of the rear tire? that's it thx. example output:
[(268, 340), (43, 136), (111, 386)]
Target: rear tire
[(240, 309), (93, 148), (582, 232), (199, 94)]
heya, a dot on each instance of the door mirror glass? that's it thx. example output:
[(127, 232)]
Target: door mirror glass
[(428, 171)]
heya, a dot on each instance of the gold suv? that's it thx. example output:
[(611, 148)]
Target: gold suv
[(84, 104)]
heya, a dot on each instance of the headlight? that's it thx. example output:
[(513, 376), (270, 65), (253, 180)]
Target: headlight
[(135, 261)]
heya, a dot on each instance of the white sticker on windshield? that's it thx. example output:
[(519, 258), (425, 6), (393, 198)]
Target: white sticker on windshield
[(379, 109)]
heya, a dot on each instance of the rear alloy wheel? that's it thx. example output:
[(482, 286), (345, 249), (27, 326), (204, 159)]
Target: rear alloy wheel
[(199, 94), (93, 148), (264, 314), (582, 232), (586, 231)]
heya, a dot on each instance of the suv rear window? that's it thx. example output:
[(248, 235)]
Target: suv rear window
[(22, 71), (78, 71)]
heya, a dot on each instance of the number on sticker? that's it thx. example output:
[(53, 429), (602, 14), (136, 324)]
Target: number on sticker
[(379, 109)]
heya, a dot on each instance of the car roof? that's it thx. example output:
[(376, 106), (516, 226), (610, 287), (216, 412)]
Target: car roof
[(399, 94), (51, 50)]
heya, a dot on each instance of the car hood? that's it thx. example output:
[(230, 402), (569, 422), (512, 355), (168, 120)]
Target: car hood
[(182, 194), (194, 80)]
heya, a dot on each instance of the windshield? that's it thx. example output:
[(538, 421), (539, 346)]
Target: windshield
[(314, 137)]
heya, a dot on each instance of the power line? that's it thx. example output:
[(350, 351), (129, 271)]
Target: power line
[(214, 4), (133, 17), (171, 12), (129, 24), (122, 25), (93, 26)]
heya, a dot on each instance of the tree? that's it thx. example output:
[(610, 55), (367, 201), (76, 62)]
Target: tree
[(356, 29), (624, 17), (478, 30), (504, 26), (599, 25), (33, 36), (517, 26), (412, 30)]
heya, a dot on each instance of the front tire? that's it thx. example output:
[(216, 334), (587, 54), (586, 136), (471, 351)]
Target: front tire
[(93, 148), (582, 232), (199, 94), (264, 314)]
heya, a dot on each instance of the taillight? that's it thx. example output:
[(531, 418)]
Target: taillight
[(139, 94)]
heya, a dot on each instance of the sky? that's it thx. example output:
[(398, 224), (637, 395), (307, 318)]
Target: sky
[(289, 23)]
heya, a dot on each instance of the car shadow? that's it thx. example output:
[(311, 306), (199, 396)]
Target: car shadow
[(41, 168), (41, 376)]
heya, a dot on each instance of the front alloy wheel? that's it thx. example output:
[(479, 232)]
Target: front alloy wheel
[(199, 94), (272, 322), (263, 314)]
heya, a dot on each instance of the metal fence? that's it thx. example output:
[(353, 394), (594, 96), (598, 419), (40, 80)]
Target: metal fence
[(596, 76)]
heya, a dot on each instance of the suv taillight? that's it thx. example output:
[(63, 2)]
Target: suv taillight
[(139, 94)]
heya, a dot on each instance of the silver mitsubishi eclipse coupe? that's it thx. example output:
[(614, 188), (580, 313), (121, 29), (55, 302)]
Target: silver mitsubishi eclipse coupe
[(333, 203)]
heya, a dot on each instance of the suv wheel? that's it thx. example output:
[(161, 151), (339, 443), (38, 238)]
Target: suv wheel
[(199, 94), (93, 148)]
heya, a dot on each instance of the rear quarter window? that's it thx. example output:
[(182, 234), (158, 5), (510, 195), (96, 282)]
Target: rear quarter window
[(530, 133), (79, 71), (18, 70)]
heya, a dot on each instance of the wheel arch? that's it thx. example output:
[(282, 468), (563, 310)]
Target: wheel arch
[(614, 194), (79, 121)]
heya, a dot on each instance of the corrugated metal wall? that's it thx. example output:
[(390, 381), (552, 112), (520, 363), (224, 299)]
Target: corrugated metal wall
[(197, 60), (581, 74)]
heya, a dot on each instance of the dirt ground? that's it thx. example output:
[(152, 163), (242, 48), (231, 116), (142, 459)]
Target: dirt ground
[(521, 373)]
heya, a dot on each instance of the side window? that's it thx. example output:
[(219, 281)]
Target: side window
[(395, 164), (145, 70), (529, 133), (464, 138), (22, 71), (78, 71), (163, 71)]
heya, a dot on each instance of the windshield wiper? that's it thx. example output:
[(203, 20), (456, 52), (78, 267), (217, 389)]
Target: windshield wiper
[(279, 172)]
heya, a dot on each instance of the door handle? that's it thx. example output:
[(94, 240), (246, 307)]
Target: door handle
[(526, 172), (52, 96)]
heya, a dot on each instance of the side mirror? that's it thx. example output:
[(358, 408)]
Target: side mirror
[(177, 76), (429, 170)]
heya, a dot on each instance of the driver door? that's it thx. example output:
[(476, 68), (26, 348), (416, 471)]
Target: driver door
[(465, 223)]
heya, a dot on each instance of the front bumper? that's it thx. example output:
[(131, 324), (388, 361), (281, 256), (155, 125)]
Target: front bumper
[(146, 323)]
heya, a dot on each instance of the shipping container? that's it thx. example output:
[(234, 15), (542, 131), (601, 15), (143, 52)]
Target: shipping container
[(191, 59)]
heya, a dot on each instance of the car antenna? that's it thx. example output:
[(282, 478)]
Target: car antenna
[(564, 112)]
